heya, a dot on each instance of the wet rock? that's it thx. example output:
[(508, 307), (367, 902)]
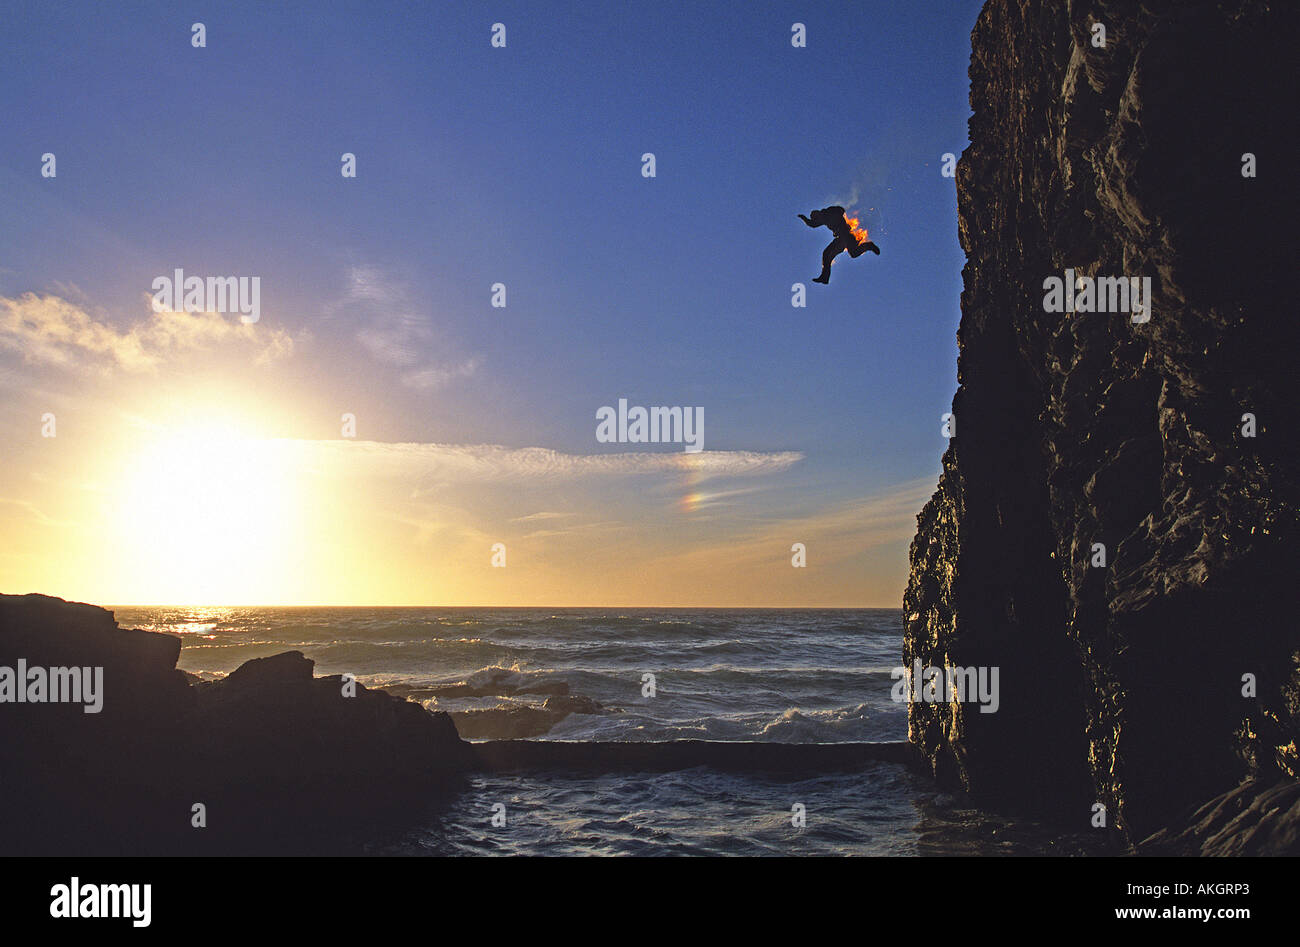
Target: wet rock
[(1255, 818), (280, 760), (1121, 685), (520, 721)]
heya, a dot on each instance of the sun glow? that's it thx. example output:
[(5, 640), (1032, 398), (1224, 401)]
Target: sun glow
[(207, 513)]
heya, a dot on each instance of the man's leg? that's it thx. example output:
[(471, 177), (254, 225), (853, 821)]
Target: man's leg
[(833, 249)]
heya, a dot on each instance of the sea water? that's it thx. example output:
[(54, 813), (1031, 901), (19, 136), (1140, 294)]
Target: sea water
[(790, 676)]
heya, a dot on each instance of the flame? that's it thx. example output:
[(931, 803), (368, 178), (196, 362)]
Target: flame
[(859, 232)]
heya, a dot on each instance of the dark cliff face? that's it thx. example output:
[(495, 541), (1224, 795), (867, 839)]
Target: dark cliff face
[(283, 762), (1120, 684)]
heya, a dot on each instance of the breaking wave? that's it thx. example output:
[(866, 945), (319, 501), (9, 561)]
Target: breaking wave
[(789, 676)]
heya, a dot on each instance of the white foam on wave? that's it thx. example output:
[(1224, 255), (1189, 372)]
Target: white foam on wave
[(496, 675), (813, 726)]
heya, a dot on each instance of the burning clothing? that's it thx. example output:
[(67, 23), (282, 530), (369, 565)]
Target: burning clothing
[(850, 237)]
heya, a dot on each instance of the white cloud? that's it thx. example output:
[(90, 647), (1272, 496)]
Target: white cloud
[(430, 377), (50, 330), (542, 515), (395, 330), (481, 463)]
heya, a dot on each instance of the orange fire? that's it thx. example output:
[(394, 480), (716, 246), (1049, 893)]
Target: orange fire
[(859, 233)]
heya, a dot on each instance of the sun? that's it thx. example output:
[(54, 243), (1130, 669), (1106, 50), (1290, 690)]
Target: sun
[(206, 512)]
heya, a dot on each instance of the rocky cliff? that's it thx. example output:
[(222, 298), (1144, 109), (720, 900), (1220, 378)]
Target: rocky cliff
[(1110, 529), (280, 761)]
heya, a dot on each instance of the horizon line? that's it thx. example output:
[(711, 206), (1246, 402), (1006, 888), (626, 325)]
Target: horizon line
[(844, 608)]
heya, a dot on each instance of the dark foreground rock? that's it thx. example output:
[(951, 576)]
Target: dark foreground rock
[(518, 722), (1163, 677), (282, 761), (1255, 818)]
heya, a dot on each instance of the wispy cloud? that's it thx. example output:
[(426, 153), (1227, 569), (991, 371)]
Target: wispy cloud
[(836, 533), (583, 529), (31, 510), (484, 463), (50, 330), (430, 378), (396, 329)]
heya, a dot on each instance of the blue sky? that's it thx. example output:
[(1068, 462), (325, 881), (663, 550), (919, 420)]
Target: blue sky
[(521, 166)]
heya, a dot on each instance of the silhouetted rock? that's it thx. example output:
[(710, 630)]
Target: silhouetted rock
[(1256, 818), (286, 668), (1120, 684), (282, 761), (519, 721)]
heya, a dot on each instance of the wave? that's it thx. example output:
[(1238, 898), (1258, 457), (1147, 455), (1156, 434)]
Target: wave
[(520, 721), (740, 675), (498, 681), (816, 726)]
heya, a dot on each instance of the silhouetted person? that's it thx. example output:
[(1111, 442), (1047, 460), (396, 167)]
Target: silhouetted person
[(834, 218)]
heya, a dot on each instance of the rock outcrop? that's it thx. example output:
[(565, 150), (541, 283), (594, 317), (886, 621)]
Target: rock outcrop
[(1255, 818), (281, 761), (1126, 684), (521, 721)]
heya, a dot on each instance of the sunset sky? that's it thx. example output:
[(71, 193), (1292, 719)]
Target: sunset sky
[(200, 460)]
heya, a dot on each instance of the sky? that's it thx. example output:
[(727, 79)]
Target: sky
[(198, 458)]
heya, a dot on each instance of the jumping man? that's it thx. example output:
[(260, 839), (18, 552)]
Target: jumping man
[(834, 217)]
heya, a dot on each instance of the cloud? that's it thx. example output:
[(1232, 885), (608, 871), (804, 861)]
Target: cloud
[(701, 499), (541, 515), (486, 463), (429, 378), (578, 529), (837, 533), (395, 330), (50, 330), (34, 512)]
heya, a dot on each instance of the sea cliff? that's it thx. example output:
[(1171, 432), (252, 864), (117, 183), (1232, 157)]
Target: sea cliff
[(1115, 526)]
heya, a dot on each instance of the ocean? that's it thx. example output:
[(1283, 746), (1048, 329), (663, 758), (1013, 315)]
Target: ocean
[(789, 676)]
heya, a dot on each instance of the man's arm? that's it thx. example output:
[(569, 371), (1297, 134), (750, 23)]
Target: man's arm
[(807, 221)]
